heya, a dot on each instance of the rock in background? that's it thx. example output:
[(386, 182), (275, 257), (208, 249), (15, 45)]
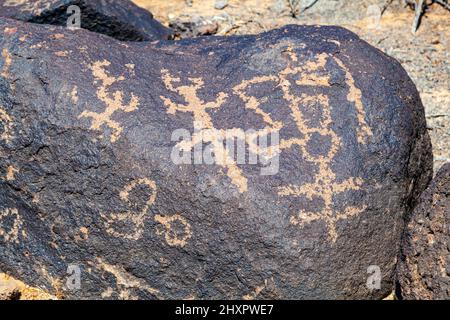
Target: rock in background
[(88, 180), (424, 270), (120, 19)]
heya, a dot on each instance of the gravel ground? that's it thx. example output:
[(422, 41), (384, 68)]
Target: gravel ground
[(424, 55)]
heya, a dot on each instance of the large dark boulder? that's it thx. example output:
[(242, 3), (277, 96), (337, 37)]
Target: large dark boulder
[(121, 19), (424, 270), (89, 180)]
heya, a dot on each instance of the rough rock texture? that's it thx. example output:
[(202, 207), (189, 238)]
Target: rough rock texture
[(88, 177), (424, 270), (120, 19)]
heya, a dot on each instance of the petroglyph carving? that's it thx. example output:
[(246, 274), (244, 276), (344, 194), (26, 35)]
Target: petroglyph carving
[(205, 131), (125, 280), (11, 235), (112, 100), (5, 126), (300, 73), (7, 61), (11, 173), (173, 236), (136, 219)]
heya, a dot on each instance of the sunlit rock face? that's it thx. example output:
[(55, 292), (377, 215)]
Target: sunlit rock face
[(121, 19), (92, 183)]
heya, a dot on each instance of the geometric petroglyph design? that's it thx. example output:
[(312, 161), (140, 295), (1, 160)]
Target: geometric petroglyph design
[(135, 218), (309, 73), (112, 100), (6, 125), (13, 234), (173, 236)]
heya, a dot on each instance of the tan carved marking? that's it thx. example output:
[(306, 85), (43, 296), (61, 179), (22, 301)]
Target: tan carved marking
[(6, 55), (204, 128), (205, 132), (55, 282), (173, 238), (61, 53), (74, 94), (304, 73), (10, 31), (11, 235), (136, 218), (8, 283), (112, 100), (355, 96), (126, 279), (253, 295), (6, 122)]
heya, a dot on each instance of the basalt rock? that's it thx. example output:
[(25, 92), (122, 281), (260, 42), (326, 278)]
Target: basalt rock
[(424, 270), (121, 19), (101, 180)]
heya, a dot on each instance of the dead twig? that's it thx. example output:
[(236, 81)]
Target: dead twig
[(419, 7)]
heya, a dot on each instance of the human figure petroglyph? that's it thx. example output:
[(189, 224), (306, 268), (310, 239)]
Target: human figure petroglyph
[(12, 233), (7, 62), (112, 100), (203, 125)]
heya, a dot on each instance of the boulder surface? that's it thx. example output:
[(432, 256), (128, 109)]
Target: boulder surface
[(121, 19), (424, 270), (92, 185)]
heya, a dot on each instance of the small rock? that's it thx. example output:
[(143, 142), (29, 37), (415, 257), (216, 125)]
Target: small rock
[(220, 4)]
